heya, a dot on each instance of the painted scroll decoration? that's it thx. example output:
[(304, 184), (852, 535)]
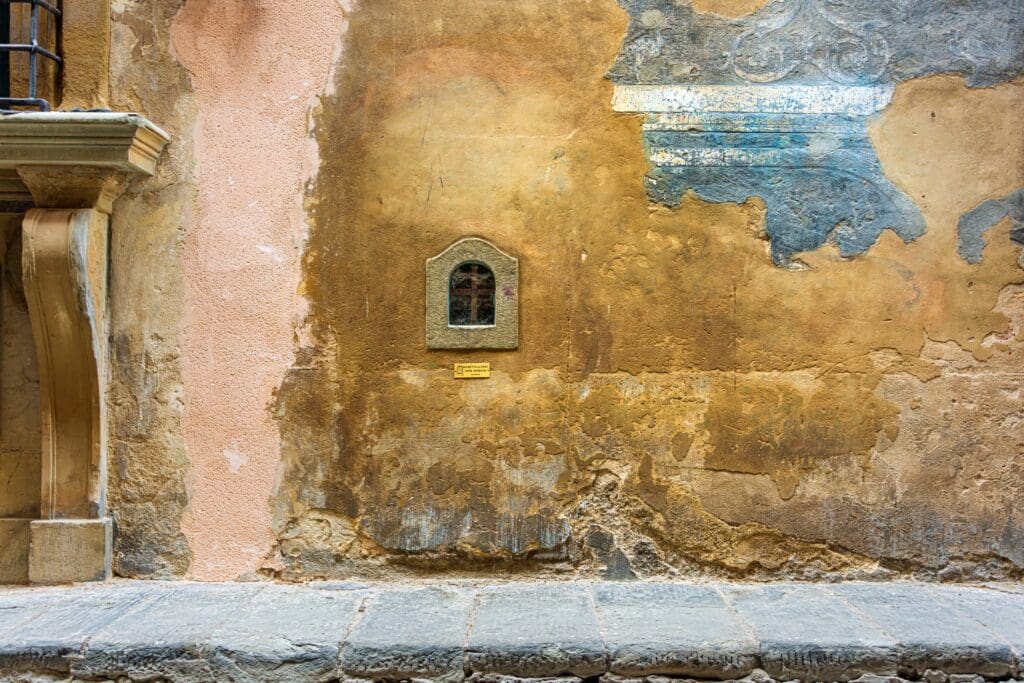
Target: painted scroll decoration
[(844, 51), (776, 104)]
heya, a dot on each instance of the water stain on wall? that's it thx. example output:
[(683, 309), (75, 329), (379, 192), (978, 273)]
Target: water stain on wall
[(678, 403), (783, 431)]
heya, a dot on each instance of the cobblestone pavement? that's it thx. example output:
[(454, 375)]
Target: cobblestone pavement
[(454, 631)]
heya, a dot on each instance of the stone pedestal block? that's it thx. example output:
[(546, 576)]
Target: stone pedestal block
[(70, 550), (14, 542)]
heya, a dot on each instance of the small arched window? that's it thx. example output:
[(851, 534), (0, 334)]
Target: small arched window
[(471, 296)]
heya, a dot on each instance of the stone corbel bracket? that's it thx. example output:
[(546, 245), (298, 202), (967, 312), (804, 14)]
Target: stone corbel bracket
[(74, 165)]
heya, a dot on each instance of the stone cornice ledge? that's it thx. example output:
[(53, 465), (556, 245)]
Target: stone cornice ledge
[(99, 140)]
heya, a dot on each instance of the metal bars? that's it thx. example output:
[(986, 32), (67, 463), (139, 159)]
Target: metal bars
[(33, 48)]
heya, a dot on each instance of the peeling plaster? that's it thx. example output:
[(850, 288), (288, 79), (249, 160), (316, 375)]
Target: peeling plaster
[(147, 460), (979, 220), (679, 405), (736, 132)]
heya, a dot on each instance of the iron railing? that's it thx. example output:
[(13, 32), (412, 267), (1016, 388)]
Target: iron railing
[(34, 50)]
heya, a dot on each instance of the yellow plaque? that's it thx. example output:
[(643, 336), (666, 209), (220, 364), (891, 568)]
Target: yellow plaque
[(472, 370)]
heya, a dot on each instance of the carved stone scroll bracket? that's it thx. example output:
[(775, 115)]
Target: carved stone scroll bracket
[(75, 166), (65, 273)]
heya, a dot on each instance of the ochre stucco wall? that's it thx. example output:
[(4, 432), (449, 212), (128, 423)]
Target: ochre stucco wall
[(679, 405)]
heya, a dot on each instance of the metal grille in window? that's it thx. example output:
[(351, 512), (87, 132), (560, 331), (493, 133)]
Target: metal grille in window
[(471, 296), (29, 60)]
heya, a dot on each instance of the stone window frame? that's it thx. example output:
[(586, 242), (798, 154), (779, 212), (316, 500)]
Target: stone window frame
[(504, 333)]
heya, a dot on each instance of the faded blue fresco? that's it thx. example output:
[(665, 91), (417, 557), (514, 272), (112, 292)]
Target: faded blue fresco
[(777, 124), (818, 176), (823, 41), (976, 222)]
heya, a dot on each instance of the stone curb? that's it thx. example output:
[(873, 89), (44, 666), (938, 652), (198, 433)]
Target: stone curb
[(509, 632)]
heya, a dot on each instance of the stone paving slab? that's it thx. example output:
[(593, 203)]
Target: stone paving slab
[(55, 630), (917, 618), (285, 635), (1000, 610), (170, 630), (410, 634), (673, 629), (20, 606), (473, 631), (536, 630), (805, 632)]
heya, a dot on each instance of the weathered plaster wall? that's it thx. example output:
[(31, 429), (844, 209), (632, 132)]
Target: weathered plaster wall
[(760, 371), (776, 104), (694, 391), (204, 274), (146, 495), (147, 458), (256, 68)]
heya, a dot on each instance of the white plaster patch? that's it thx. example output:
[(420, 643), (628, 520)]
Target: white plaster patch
[(235, 457), (767, 99), (757, 158), (270, 251), (823, 145), (1012, 421), (417, 378)]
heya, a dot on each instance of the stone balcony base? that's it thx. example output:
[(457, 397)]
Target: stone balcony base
[(60, 173), (455, 631)]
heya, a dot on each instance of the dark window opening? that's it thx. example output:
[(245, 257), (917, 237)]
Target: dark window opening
[(29, 54), (471, 295)]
